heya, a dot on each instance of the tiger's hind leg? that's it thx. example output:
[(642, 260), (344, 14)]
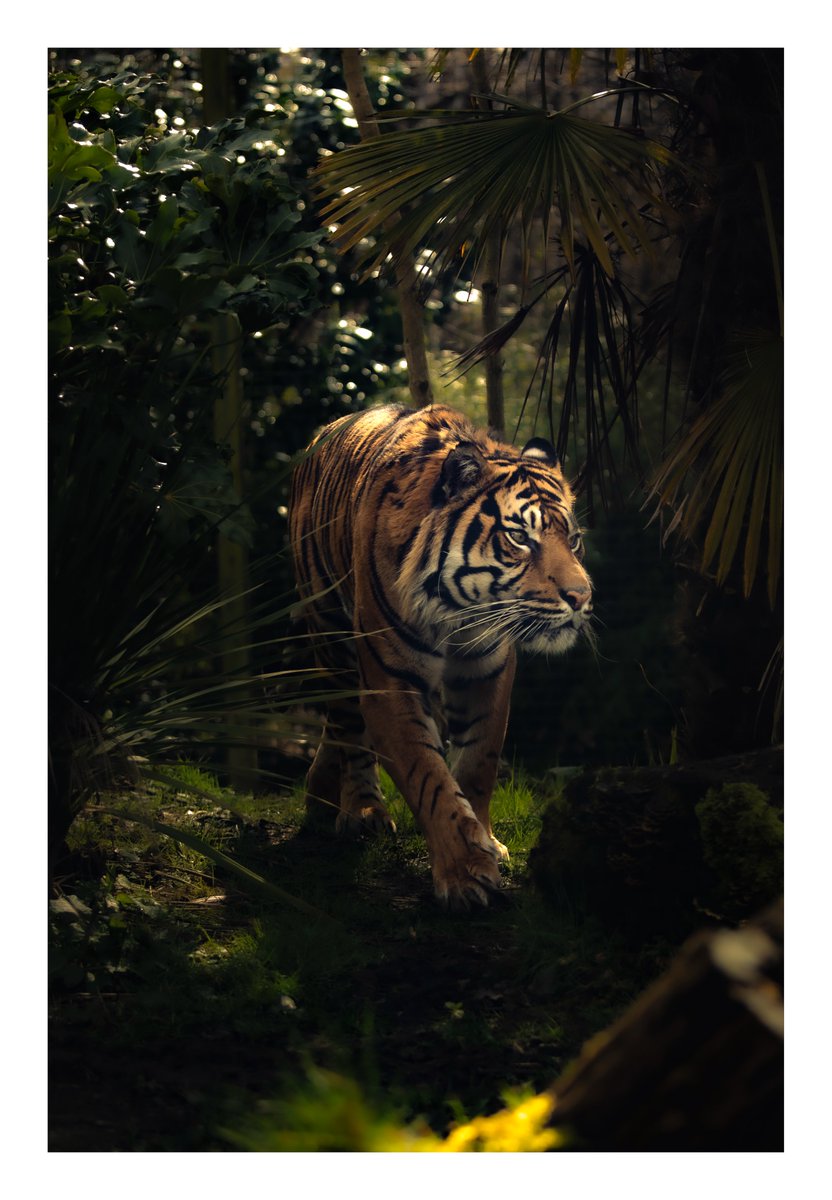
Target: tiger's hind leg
[(362, 805), (323, 781), (343, 780)]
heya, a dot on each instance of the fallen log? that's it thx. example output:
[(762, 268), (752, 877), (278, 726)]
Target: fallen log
[(697, 1062)]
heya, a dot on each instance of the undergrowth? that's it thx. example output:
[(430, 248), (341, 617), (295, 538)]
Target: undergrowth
[(189, 1012)]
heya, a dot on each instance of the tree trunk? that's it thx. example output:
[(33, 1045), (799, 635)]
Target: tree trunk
[(216, 85), (226, 359), (407, 283), (490, 285), (697, 1062)]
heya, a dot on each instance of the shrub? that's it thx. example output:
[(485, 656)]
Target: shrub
[(742, 845), (151, 234)]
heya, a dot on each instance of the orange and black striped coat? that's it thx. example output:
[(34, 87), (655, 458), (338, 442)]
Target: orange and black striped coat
[(425, 551)]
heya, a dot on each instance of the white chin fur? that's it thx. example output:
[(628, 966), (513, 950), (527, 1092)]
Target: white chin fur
[(563, 640)]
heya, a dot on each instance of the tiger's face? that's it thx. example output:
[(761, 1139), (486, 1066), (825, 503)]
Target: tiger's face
[(509, 562)]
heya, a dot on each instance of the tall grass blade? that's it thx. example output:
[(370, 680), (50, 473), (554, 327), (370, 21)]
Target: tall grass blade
[(201, 846)]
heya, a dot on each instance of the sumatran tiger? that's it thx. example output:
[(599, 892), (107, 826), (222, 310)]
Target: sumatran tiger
[(425, 551)]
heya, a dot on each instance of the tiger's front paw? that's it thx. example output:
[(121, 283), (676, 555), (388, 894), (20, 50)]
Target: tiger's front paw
[(467, 872)]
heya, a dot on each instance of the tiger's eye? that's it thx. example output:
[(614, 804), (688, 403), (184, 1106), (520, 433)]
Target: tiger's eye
[(519, 537)]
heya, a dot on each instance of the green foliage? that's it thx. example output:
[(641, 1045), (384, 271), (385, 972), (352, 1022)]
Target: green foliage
[(135, 259), (171, 225), (516, 811), (742, 844), (114, 941), (250, 878), (151, 232), (329, 1113), (443, 176), (726, 475), (189, 1011)]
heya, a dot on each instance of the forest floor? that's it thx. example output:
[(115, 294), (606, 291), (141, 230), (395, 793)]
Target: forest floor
[(192, 1012)]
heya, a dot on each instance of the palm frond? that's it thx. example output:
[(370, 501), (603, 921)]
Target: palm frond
[(728, 470), (591, 332), (457, 181)]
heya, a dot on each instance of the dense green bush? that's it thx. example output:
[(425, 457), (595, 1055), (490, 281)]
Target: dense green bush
[(152, 232), (742, 845)]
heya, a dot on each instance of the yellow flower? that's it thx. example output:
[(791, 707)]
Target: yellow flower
[(513, 1130)]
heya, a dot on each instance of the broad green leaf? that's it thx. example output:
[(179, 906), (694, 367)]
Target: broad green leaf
[(112, 294), (104, 99), (161, 229), (170, 153), (119, 176)]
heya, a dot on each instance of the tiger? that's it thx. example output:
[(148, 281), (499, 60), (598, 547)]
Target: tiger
[(425, 551)]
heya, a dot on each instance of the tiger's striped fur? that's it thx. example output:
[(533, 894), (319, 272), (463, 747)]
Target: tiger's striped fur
[(425, 551)]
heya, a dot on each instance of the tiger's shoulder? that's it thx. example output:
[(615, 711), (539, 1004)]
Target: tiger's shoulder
[(398, 437)]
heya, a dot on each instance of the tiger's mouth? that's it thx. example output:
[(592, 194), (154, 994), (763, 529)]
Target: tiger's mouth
[(535, 630), (552, 633)]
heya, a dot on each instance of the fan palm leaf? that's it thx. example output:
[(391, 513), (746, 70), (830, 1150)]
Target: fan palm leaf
[(728, 472), (457, 181)]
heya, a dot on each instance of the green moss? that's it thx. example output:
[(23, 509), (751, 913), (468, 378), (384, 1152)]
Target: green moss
[(742, 845)]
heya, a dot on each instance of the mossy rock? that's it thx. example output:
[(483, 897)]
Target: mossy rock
[(742, 847), (653, 849)]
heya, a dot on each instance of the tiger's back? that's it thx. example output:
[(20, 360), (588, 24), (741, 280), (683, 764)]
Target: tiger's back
[(336, 489)]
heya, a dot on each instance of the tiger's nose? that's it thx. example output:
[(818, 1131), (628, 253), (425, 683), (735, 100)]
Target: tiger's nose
[(575, 597)]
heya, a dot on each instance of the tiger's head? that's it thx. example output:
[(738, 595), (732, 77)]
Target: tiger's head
[(501, 552)]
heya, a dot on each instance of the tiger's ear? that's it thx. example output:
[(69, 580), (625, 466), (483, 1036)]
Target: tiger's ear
[(541, 449), (461, 470)]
